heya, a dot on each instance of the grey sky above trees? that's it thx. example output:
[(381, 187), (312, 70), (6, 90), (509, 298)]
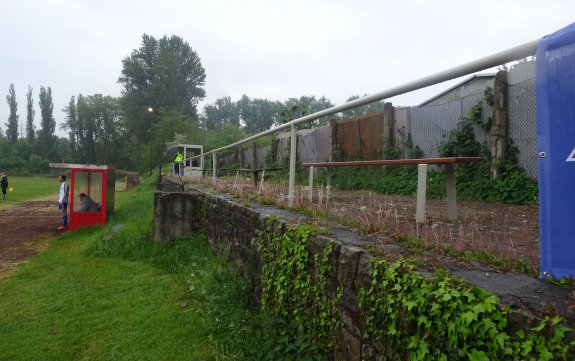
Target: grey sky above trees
[(263, 49)]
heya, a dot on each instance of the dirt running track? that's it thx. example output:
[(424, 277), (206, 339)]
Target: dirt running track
[(24, 230)]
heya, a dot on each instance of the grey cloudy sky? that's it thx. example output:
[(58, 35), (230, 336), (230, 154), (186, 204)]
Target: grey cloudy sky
[(262, 48)]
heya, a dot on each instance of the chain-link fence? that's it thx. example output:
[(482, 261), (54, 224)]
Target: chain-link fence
[(522, 123), (431, 124), (427, 126)]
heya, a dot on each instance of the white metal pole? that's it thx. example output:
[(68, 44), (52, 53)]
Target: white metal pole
[(292, 160)]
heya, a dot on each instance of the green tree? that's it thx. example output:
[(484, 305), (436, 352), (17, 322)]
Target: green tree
[(12, 124), (364, 109), (74, 133), (95, 129), (223, 111), (46, 138), (258, 115), (173, 127), (164, 74), (226, 135), (294, 108), (30, 113)]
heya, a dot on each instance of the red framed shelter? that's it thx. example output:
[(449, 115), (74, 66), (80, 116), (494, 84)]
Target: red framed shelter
[(97, 182)]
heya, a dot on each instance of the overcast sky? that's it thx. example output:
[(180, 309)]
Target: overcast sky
[(262, 48)]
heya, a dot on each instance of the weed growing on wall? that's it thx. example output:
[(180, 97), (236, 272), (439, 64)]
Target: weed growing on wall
[(442, 318), (299, 323)]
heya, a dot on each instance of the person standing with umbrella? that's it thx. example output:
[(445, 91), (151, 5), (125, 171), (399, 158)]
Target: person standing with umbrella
[(178, 158)]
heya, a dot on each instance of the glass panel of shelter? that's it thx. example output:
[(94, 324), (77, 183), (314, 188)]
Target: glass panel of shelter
[(89, 183)]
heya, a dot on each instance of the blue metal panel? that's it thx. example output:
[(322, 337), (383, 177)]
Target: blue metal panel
[(555, 88)]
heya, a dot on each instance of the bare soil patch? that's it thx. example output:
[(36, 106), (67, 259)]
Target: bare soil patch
[(505, 233), (24, 230)]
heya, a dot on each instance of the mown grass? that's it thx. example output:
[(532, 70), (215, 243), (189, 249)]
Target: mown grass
[(27, 188), (113, 294), (30, 188)]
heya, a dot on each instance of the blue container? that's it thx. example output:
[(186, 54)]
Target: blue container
[(555, 89)]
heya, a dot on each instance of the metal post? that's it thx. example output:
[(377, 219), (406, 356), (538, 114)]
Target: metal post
[(292, 161), (421, 192), (451, 196), (311, 184), (202, 165), (214, 166)]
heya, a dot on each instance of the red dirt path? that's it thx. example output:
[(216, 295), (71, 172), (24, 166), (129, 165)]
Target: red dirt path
[(24, 229)]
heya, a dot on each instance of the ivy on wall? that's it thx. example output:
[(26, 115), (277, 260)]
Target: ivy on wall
[(442, 318), (293, 293)]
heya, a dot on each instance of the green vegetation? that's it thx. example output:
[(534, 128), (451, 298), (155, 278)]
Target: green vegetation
[(27, 188), (474, 181), (446, 319), (297, 323), (112, 293)]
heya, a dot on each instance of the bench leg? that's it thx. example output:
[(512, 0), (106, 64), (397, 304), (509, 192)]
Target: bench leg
[(262, 180), (451, 196), (421, 192), (311, 184)]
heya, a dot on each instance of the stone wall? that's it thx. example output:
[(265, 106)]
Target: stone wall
[(233, 228)]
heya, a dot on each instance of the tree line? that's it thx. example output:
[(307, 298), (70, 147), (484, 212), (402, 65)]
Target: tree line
[(162, 84)]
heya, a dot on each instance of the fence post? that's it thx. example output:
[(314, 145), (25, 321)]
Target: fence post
[(311, 183), (498, 131), (292, 161), (332, 145), (388, 126), (202, 163), (214, 166), (255, 156)]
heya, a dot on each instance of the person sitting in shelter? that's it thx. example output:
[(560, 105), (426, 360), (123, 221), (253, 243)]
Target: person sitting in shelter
[(87, 204)]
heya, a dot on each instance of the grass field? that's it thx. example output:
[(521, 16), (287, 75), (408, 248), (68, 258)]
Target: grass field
[(27, 188), (99, 294)]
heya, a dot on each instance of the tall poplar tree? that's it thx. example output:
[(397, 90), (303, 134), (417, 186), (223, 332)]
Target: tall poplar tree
[(12, 124), (48, 123), (30, 113), (74, 133), (95, 128)]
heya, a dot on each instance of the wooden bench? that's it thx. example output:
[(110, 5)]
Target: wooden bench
[(422, 165)]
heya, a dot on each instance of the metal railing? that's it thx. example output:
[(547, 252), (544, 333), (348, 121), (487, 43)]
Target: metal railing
[(515, 53)]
